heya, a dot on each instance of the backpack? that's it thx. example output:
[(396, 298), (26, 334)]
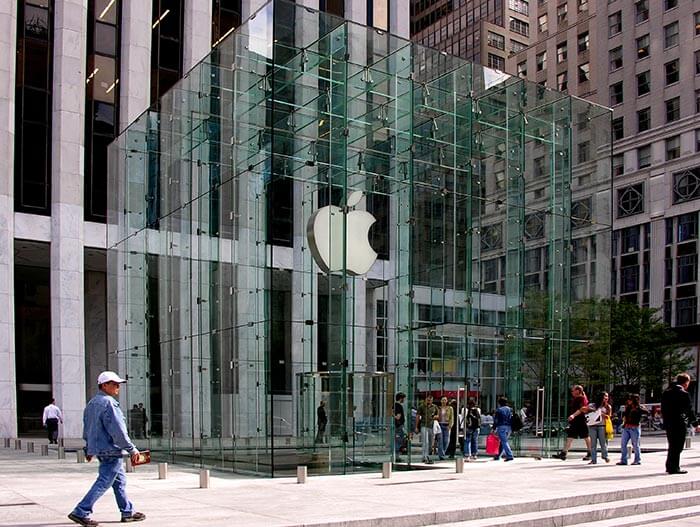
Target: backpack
[(516, 423), (473, 418)]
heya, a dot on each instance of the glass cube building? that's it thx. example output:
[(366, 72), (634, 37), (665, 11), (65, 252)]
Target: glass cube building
[(323, 212)]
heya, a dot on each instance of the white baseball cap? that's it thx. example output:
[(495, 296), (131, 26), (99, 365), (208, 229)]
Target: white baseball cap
[(109, 376)]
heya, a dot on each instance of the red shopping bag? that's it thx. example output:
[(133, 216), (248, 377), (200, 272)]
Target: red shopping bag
[(492, 445)]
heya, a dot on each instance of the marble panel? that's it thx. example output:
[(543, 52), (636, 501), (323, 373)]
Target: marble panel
[(32, 227), (197, 41)]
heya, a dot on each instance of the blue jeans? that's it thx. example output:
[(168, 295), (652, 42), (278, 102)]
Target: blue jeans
[(426, 441), (444, 441), (471, 442), (399, 436), (503, 433), (631, 434), (597, 435), (110, 474)]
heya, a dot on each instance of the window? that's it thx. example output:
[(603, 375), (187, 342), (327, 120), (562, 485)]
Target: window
[(615, 56), (618, 128), (561, 53), (102, 102), (630, 200), (697, 23), (616, 94), (563, 81), (697, 140), (686, 311), (541, 61), (643, 47), (582, 5), (686, 185), (584, 72), (33, 89), (583, 42), (166, 46), (542, 23), (671, 35), (522, 69), (673, 109), (641, 11), (697, 101), (670, 4), (688, 227), (697, 63), (496, 62), (226, 16), (561, 13), (643, 83), (584, 151), (673, 147), (618, 165), (520, 27), (519, 6), (671, 72), (644, 156), (495, 40), (516, 47), (644, 120), (615, 24)]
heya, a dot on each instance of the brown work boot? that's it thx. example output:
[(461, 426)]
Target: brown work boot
[(135, 517)]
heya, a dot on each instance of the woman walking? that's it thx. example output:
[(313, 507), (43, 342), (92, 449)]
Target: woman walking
[(598, 411), (631, 429)]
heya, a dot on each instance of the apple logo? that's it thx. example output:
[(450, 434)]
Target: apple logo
[(325, 234)]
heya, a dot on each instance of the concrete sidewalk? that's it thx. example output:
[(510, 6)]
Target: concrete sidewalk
[(37, 490)]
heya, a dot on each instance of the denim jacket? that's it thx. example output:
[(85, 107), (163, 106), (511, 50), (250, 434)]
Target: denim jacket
[(104, 428), (503, 416)]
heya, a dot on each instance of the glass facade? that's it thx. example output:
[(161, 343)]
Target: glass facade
[(433, 212)]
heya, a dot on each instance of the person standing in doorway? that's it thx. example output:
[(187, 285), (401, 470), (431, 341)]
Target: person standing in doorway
[(399, 425), (51, 418), (446, 419), (105, 435), (502, 424), (678, 415), (578, 427), (321, 422), (427, 413)]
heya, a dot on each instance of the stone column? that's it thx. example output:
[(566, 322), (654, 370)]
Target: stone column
[(399, 18), (197, 33), (67, 260), (135, 83), (8, 387)]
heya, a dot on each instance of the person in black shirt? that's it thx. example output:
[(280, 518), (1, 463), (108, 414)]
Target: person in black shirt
[(399, 425), (631, 421), (321, 421), (678, 415)]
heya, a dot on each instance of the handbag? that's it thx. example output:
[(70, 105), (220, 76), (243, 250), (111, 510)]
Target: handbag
[(493, 445), (594, 418), (436, 428), (609, 432)]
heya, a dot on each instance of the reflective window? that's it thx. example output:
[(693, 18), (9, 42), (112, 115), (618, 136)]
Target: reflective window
[(671, 35), (643, 47), (673, 109), (643, 83), (643, 120), (166, 46), (226, 16)]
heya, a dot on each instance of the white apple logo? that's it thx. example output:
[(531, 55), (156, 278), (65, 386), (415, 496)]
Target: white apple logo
[(325, 234)]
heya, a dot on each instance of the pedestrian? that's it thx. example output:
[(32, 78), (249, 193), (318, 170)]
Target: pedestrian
[(598, 411), (321, 422), (52, 416), (472, 426), (502, 421), (452, 446), (104, 430), (399, 425), (135, 421), (446, 419), (678, 415), (144, 421), (427, 413), (577, 428), (632, 429)]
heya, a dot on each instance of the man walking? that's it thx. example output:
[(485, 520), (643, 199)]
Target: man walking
[(321, 422), (678, 415), (578, 428), (399, 423), (105, 435), (427, 413), (52, 416)]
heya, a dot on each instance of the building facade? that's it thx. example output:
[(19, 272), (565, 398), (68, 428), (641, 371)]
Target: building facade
[(642, 59), (73, 74)]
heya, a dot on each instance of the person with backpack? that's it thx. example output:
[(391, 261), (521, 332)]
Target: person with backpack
[(502, 421), (472, 425)]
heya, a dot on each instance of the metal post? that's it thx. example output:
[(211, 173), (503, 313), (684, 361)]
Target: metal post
[(688, 442), (7, 442), (204, 478), (129, 466), (30, 447), (386, 470), (301, 474), (162, 471), (80, 455), (18, 444), (60, 442), (459, 465), (61, 453), (44, 450)]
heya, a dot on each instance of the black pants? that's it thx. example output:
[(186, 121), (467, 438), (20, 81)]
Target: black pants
[(676, 441), (52, 430)]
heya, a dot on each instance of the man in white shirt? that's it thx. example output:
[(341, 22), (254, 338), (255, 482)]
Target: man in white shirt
[(52, 416)]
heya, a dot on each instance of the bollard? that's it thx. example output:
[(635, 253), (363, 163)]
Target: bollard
[(629, 451), (60, 442), (386, 470), (162, 471), (30, 447), (688, 442), (459, 465), (129, 465), (44, 450), (204, 478), (80, 455), (7, 442), (301, 474), (61, 453), (18, 444)]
